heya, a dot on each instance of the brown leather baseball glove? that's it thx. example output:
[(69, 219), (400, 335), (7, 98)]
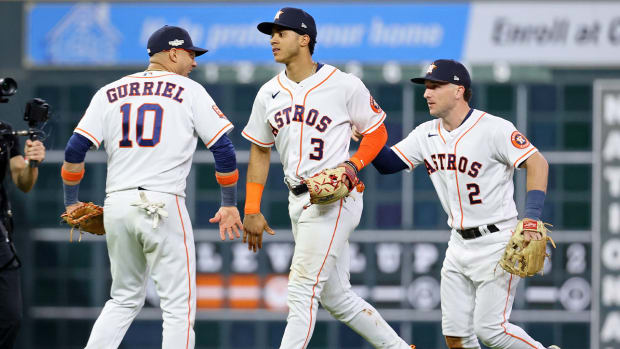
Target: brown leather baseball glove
[(84, 216), (522, 258), (331, 185)]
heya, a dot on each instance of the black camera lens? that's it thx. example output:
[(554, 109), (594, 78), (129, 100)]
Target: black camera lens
[(8, 87)]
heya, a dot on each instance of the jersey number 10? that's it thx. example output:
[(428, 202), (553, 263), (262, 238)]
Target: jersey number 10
[(139, 127)]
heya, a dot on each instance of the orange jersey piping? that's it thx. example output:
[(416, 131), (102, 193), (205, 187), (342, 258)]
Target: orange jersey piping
[(255, 140), (319, 274), (93, 137), (217, 134), (401, 153), (456, 173), (522, 156), (189, 278), (380, 121), (301, 136)]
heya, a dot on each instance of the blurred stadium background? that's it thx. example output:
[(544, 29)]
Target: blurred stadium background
[(537, 64)]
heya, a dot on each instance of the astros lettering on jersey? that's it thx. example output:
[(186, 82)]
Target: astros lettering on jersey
[(471, 167), (310, 122), (150, 117)]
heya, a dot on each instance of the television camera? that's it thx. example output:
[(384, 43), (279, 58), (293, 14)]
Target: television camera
[(36, 113)]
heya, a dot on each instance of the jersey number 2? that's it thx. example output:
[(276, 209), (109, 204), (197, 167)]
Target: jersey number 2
[(158, 117), (474, 192)]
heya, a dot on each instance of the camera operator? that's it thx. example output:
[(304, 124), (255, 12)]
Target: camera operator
[(24, 177)]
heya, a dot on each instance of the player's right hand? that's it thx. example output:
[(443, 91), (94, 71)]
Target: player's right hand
[(355, 134), (253, 227)]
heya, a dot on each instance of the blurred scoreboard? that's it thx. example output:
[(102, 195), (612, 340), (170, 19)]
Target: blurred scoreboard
[(396, 274)]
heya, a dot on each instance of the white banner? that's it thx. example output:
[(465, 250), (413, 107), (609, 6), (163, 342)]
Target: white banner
[(550, 33)]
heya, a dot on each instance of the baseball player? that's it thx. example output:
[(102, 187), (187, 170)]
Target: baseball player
[(149, 123), (470, 157), (307, 112)]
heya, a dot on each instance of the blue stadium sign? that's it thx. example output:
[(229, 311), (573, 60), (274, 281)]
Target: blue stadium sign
[(99, 34)]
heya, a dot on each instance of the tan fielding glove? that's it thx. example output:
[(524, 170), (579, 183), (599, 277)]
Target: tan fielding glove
[(523, 260), (330, 186)]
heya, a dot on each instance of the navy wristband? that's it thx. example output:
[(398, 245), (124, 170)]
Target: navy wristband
[(229, 195), (534, 203), (70, 193)]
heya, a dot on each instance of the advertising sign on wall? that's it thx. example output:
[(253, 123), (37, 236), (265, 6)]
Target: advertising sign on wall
[(117, 33)]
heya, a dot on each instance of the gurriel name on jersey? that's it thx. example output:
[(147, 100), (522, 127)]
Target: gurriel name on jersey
[(146, 88)]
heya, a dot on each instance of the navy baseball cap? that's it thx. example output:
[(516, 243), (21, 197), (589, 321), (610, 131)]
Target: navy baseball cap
[(168, 37), (291, 18), (446, 70)]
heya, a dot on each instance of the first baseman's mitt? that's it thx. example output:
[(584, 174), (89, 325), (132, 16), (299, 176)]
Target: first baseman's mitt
[(523, 260), (330, 186), (85, 216)]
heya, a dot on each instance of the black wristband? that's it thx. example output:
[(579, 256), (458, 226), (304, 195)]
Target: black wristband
[(349, 162)]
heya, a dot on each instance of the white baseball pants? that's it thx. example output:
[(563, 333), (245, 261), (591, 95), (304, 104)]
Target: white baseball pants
[(477, 294), (320, 272), (136, 251)]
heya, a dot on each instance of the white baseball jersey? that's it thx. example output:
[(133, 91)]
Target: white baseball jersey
[(149, 123), (471, 167), (310, 125), (310, 122)]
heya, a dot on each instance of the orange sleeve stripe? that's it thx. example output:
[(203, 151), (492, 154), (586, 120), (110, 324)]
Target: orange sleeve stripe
[(253, 195), (217, 134), (380, 121), (91, 136), (369, 147), (254, 140), (71, 176), (227, 179), (404, 157), (522, 156)]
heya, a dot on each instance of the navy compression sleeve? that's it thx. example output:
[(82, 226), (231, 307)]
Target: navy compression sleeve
[(388, 162), (224, 155), (76, 149)]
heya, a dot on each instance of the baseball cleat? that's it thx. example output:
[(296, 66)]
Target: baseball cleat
[(554, 347)]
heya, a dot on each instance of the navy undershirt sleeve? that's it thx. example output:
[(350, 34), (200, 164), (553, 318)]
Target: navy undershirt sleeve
[(388, 162), (76, 149), (224, 155)]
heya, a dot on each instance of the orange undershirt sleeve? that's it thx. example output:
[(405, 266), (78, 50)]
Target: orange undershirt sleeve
[(370, 146)]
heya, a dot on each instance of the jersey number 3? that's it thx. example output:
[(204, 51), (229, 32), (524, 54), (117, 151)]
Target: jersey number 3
[(158, 115), (317, 153)]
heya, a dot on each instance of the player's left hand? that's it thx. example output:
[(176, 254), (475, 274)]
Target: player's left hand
[(34, 150), (230, 220), (529, 235), (253, 227)]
